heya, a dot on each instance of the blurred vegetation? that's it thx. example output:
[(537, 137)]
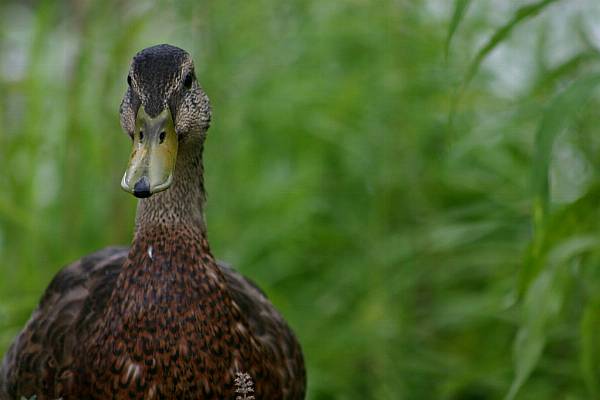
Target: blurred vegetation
[(416, 185)]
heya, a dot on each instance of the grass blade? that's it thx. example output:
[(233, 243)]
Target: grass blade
[(542, 305), (521, 15), (460, 9), (590, 354), (555, 119)]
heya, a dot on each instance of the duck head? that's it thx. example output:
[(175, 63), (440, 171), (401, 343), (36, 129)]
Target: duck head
[(163, 108)]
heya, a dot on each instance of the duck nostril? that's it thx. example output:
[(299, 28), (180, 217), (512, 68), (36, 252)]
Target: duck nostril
[(162, 136), (141, 135)]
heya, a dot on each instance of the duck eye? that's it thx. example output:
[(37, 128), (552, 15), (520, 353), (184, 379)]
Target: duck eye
[(189, 79), (141, 135), (129, 80)]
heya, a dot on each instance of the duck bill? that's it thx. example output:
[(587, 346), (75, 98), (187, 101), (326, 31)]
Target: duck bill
[(153, 157)]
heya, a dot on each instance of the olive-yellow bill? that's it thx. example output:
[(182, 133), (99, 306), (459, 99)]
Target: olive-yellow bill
[(154, 153)]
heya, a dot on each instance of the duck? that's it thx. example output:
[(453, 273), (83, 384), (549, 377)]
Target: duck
[(162, 318)]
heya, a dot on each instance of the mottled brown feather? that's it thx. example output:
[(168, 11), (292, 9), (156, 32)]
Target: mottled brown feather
[(41, 359), (38, 358)]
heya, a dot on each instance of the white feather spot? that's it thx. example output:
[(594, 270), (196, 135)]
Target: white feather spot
[(152, 391), (133, 371), (241, 328), (150, 252), (212, 275)]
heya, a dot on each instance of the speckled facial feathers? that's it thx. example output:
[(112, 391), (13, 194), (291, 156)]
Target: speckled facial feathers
[(156, 72), (157, 79)]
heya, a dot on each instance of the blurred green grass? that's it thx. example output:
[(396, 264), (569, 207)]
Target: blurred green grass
[(414, 184)]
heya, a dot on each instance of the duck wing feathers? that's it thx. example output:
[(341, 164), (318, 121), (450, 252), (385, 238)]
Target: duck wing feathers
[(269, 328), (37, 362)]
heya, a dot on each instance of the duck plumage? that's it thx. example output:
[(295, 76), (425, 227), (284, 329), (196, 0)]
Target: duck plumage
[(161, 319)]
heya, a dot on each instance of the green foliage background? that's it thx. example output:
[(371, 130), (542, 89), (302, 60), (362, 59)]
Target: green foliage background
[(415, 184)]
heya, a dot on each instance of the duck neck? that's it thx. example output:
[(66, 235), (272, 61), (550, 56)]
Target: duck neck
[(182, 205)]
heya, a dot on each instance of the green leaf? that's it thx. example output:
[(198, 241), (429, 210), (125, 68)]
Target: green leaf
[(556, 118), (521, 15), (460, 9), (590, 354), (542, 305), (566, 69)]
